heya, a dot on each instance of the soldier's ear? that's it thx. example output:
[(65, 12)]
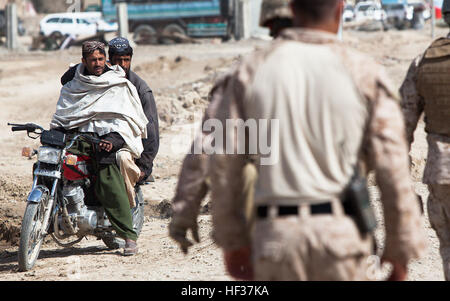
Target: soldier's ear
[(340, 10)]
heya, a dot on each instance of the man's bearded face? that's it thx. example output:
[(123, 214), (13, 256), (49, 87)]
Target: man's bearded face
[(123, 61), (95, 63)]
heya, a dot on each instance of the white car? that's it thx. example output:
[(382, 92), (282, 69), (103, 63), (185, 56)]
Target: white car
[(369, 10), (67, 24), (349, 13), (75, 24)]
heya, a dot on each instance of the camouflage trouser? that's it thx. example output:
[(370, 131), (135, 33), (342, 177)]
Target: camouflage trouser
[(439, 215), (310, 248)]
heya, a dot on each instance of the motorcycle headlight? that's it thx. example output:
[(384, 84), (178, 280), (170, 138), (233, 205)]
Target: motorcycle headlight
[(49, 155)]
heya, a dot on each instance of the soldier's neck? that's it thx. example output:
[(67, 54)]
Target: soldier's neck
[(330, 26)]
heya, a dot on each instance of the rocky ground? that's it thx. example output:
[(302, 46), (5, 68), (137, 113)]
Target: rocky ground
[(181, 77)]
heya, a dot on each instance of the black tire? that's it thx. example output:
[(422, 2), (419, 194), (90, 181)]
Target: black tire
[(113, 242), (229, 35), (169, 31), (55, 40), (30, 235), (145, 34)]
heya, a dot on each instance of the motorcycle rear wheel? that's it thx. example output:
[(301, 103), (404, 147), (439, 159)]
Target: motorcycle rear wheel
[(31, 237)]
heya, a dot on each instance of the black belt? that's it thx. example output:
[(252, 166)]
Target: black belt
[(324, 208)]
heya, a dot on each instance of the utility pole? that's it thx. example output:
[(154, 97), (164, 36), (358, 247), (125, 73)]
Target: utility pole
[(122, 16), (11, 26), (242, 19), (341, 27), (433, 19)]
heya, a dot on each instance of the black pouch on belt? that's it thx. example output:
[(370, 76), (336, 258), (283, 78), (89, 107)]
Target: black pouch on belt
[(356, 202)]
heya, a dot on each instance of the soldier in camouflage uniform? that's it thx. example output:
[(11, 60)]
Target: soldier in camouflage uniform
[(335, 109), (426, 90), (193, 180)]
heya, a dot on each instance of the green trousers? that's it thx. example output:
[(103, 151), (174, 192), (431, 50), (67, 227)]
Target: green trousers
[(110, 190)]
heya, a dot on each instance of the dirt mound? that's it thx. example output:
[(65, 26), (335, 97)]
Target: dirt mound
[(13, 189), (13, 194), (10, 232), (163, 64), (10, 221), (179, 108)]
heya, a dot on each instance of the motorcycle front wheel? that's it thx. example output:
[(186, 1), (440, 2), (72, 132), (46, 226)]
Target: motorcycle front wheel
[(31, 235)]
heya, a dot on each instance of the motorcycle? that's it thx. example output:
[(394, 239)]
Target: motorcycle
[(61, 202)]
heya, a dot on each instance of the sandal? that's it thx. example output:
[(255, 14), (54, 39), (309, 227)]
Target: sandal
[(130, 248)]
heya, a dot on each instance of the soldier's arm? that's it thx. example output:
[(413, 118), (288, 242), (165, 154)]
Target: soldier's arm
[(192, 185), (229, 214), (389, 155), (412, 104)]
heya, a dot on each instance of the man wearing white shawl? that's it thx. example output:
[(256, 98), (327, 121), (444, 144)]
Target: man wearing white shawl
[(101, 101)]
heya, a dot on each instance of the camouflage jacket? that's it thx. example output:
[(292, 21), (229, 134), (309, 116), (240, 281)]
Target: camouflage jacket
[(383, 148), (437, 168)]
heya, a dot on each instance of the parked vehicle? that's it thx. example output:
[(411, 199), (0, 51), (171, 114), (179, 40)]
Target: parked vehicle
[(3, 24), (166, 21), (75, 24), (349, 13), (369, 10), (61, 202), (422, 12), (399, 15), (59, 25)]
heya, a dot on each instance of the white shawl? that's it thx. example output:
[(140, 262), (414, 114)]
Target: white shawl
[(103, 104)]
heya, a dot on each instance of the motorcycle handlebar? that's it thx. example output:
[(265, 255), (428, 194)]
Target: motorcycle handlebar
[(88, 138), (92, 139), (29, 127), (19, 128)]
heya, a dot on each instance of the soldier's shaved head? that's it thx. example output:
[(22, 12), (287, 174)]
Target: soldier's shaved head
[(316, 9), (323, 14)]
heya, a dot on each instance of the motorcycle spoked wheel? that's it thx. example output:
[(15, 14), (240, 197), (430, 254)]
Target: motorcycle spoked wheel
[(31, 237)]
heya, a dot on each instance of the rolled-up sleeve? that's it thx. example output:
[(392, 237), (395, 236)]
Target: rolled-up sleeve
[(405, 239)]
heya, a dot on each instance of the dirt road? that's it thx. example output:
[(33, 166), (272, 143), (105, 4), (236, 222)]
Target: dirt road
[(181, 77)]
